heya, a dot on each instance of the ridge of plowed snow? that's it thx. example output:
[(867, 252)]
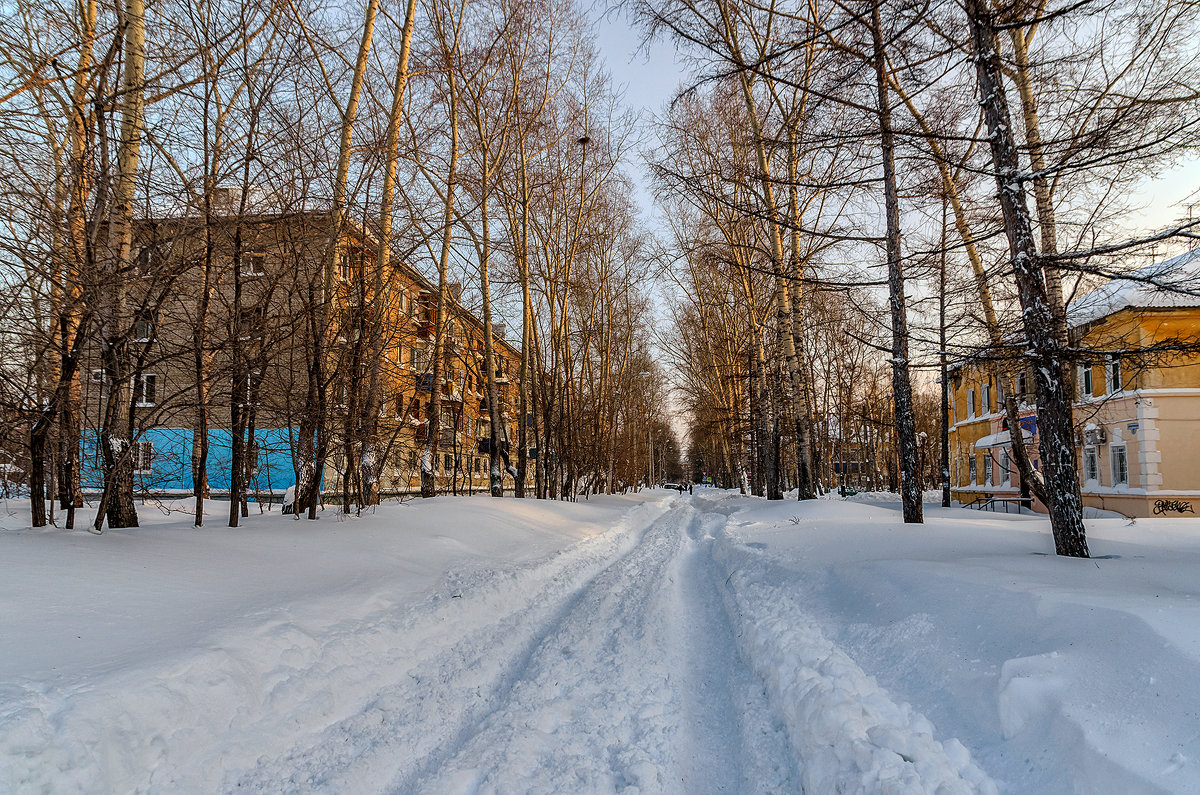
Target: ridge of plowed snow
[(278, 700), (849, 734)]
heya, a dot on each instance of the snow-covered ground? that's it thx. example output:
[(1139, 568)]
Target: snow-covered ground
[(647, 643)]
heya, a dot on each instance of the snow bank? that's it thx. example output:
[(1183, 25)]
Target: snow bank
[(377, 654), (297, 627), (848, 733), (1059, 675)]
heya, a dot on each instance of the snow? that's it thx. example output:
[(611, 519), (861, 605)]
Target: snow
[(1171, 283), (646, 643)]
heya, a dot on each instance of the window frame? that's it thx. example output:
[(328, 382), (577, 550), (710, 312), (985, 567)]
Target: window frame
[(252, 322), (142, 457), (139, 390), (1113, 374), (1123, 469), (248, 257), (145, 321)]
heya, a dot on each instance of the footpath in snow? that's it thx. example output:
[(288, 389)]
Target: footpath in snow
[(642, 644)]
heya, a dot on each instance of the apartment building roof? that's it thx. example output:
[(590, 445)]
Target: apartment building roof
[(1170, 284)]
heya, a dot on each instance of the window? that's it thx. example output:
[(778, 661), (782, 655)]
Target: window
[(970, 404), (254, 458), (478, 467), (1005, 470), (97, 376), (1114, 375), (149, 261), (253, 264), (412, 357), (986, 396), (1021, 384), (987, 470), (250, 322), (1085, 380), (1120, 466), (144, 325), (145, 389), (143, 457), (971, 467), (1091, 464), (447, 462), (412, 459), (248, 389)]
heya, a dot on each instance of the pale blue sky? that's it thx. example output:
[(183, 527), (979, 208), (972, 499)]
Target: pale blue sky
[(651, 78)]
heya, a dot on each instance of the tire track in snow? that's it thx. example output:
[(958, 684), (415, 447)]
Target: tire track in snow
[(452, 664), (726, 704), (636, 688), (847, 732)]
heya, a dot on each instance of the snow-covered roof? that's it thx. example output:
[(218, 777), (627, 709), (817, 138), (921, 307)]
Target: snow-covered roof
[(1156, 286), (1001, 439)]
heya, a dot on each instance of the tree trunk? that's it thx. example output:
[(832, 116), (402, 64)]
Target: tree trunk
[(115, 442), (495, 474), (429, 454), (906, 427), (1042, 194), (372, 461), (1056, 446)]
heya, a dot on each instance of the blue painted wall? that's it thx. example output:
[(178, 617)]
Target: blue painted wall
[(172, 463)]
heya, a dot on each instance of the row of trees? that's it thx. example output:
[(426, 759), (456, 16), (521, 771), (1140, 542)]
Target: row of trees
[(480, 141), (829, 153)]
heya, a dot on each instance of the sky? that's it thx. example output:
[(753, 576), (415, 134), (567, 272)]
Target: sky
[(648, 76), (651, 77)]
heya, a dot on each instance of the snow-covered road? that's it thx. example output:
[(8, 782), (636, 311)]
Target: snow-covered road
[(659, 655), (609, 668), (634, 686)]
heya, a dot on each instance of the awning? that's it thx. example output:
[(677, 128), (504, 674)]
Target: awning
[(1001, 440)]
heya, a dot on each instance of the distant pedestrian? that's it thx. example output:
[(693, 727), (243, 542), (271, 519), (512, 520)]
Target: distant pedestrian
[(689, 487)]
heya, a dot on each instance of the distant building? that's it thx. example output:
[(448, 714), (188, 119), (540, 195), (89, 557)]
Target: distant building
[(260, 333), (1137, 407)]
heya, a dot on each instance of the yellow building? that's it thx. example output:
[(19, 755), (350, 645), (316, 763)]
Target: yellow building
[(1137, 405)]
